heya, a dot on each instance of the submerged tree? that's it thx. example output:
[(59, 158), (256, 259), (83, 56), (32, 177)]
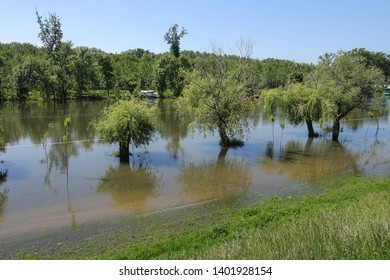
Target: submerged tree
[(127, 122), (299, 102), (214, 100), (346, 82), (173, 37)]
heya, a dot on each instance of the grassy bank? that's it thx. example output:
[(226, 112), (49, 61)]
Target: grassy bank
[(349, 220)]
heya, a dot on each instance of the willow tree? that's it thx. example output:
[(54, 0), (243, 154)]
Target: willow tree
[(346, 82), (216, 101), (127, 122), (298, 103)]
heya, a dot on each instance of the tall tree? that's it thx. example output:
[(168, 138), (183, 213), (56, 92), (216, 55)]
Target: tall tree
[(173, 37), (50, 31), (59, 53)]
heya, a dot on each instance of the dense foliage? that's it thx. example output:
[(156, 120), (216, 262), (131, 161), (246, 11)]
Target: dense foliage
[(340, 84), (127, 122), (217, 99), (28, 71)]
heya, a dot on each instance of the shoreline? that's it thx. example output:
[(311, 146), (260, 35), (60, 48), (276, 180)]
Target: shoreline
[(348, 220)]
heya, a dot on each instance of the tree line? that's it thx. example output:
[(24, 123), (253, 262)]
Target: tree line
[(57, 70)]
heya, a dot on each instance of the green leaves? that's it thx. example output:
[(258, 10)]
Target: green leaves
[(346, 82), (215, 101), (173, 37), (128, 121)]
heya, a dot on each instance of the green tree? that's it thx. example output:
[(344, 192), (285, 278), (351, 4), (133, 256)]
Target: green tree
[(58, 52), (128, 122), (173, 37), (83, 70), (61, 68), (50, 31), (217, 101), (106, 70), (346, 82), (169, 76), (298, 102), (27, 76), (3, 74), (377, 59)]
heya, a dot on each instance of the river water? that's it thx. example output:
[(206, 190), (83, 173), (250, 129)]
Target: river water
[(49, 184)]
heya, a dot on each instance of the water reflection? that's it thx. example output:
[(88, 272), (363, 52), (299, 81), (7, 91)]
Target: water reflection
[(30, 120), (181, 170), (3, 202), (214, 179), (130, 185), (4, 193), (58, 156), (309, 161), (375, 157), (171, 127)]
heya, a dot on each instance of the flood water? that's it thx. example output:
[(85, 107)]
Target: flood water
[(46, 184)]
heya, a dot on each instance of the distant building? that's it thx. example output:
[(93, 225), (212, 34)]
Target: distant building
[(149, 93)]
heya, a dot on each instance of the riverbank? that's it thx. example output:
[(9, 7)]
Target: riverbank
[(349, 220)]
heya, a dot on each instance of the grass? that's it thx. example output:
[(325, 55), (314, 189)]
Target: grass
[(350, 220)]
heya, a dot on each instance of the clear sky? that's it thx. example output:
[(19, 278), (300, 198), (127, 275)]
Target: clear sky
[(299, 30)]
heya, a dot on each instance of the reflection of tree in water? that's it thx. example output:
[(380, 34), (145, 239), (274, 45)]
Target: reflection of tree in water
[(3, 202), (3, 194), (216, 178), (61, 149), (130, 185), (376, 156), (305, 162), (171, 127), (3, 178)]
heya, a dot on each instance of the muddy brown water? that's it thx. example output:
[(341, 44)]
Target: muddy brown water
[(49, 185)]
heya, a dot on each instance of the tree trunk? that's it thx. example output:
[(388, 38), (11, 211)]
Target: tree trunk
[(222, 153), (336, 130), (224, 139), (308, 145), (124, 152), (310, 129)]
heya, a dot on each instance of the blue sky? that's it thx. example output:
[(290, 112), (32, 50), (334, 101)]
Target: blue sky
[(299, 30)]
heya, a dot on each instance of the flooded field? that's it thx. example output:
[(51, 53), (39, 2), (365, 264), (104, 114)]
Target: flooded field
[(48, 184)]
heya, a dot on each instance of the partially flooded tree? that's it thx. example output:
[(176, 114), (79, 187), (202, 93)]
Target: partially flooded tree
[(298, 102), (127, 122), (346, 82), (215, 100)]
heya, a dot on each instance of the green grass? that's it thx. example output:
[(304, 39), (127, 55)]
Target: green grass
[(349, 220)]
